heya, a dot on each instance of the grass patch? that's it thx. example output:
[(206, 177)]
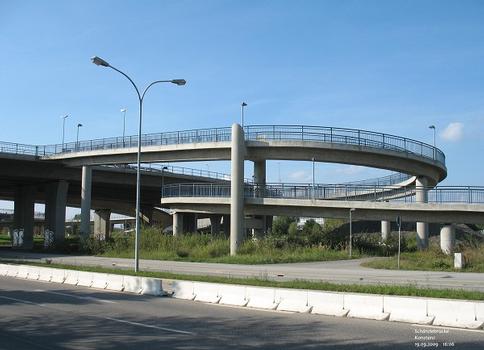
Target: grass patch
[(410, 290), (432, 260)]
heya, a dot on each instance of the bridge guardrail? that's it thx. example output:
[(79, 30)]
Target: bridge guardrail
[(443, 194)]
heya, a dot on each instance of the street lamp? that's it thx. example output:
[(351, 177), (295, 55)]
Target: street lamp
[(77, 139), (163, 180), (64, 129), (100, 62), (242, 111), (433, 128), (123, 110), (351, 230), (313, 179)]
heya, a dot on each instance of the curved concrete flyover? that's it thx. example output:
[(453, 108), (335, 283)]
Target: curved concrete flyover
[(279, 142)]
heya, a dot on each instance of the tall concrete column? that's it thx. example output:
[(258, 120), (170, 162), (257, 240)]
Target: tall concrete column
[(421, 196), (177, 224), (102, 224), (226, 225), (23, 215), (385, 230), (237, 188), (447, 238), (55, 209), (215, 224), (260, 183), (86, 189), (190, 222)]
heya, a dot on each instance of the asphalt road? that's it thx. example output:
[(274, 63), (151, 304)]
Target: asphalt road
[(342, 271), (42, 315)]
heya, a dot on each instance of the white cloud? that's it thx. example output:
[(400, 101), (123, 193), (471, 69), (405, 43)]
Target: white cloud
[(453, 132), (300, 176)]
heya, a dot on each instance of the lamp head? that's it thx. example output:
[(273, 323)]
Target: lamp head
[(432, 127), (178, 82), (79, 125), (123, 110), (98, 61), (244, 104)]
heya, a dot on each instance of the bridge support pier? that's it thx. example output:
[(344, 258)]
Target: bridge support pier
[(447, 238), (215, 224), (237, 189), (102, 224), (421, 196), (385, 230), (177, 224), (55, 209), (226, 225), (23, 216), (189, 223), (86, 186), (260, 183)]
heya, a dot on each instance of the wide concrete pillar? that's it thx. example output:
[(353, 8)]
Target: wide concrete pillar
[(385, 230), (237, 188), (102, 224), (55, 209), (177, 223), (86, 189), (447, 238), (421, 196), (189, 223), (23, 215), (215, 221), (226, 225)]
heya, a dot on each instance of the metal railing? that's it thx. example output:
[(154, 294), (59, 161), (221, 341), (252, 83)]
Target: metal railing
[(444, 194), (356, 137), (387, 180)]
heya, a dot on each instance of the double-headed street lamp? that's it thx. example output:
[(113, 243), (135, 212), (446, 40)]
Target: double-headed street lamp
[(100, 62), (77, 138)]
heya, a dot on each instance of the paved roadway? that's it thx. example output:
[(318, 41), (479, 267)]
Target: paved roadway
[(42, 315), (343, 271)]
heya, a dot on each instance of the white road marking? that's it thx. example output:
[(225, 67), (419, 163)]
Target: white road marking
[(77, 296), (148, 326)]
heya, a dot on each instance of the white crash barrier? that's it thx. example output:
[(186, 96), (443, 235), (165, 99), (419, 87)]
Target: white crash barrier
[(233, 295), (206, 292), (85, 279), (183, 290), (405, 309), (72, 277), (132, 284), (99, 280), (454, 313), (12, 271), (292, 300), (365, 306), (23, 271), (3, 269), (45, 274), (325, 303), (58, 276), (115, 282), (262, 298), (33, 273), (151, 286)]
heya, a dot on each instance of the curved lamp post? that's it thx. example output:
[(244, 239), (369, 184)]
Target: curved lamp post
[(100, 62)]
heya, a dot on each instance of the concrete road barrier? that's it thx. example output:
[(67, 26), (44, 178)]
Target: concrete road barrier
[(262, 298), (33, 273), (85, 279), (365, 306), (132, 284), (206, 292), (183, 290), (115, 282), (58, 275), (151, 286), (23, 271), (325, 303), (292, 300), (454, 313), (99, 280), (45, 274), (3, 269), (233, 295), (71, 277), (480, 312), (405, 309), (12, 270)]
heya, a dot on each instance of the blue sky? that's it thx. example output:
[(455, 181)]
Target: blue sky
[(388, 66)]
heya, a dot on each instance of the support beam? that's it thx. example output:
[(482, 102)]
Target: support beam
[(189, 223), (215, 221), (421, 196), (86, 186), (177, 224), (102, 224), (55, 209), (23, 217), (447, 238), (237, 189), (385, 230)]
